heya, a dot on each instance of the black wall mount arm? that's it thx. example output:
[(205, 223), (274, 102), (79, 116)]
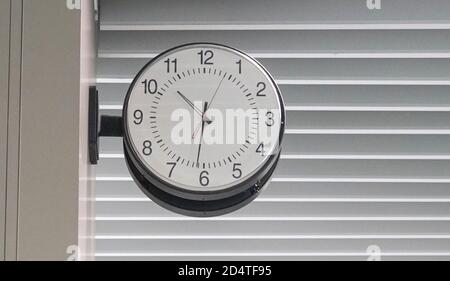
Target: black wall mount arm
[(107, 126), (110, 126)]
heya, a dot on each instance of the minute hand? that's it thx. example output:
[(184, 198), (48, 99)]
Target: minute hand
[(215, 93), (201, 136)]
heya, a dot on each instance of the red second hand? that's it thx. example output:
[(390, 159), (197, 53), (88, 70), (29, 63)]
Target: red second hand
[(196, 130), (199, 126)]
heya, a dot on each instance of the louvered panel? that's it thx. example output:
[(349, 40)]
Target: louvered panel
[(366, 157)]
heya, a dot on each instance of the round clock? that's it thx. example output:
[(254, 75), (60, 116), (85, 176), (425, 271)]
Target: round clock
[(203, 125)]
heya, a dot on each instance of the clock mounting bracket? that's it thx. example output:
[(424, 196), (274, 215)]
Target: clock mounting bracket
[(105, 126)]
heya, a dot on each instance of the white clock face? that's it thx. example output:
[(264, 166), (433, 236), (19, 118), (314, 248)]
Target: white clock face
[(203, 117)]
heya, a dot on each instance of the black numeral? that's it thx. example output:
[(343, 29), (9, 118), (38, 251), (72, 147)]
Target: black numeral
[(239, 63), (237, 173), (147, 150), (261, 87), (206, 57), (204, 180), (173, 62), (150, 86), (270, 119), (139, 117), (173, 164), (260, 149)]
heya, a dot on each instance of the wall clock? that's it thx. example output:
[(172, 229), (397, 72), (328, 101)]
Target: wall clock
[(202, 129)]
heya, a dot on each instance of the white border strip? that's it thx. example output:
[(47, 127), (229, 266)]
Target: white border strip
[(365, 132), (274, 26), (299, 200), (179, 218), (328, 157), (317, 82), (267, 237), (271, 254), (315, 180), (318, 55), (338, 108)]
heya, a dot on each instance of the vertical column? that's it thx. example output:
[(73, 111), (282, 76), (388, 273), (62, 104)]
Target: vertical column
[(49, 131), (86, 186), (13, 120), (5, 18)]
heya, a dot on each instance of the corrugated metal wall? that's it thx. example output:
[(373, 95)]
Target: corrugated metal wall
[(366, 158)]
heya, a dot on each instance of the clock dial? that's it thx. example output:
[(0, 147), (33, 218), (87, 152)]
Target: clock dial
[(203, 118)]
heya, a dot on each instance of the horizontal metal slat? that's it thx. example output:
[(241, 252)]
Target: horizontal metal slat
[(279, 44), (343, 257), (305, 191), (387, 98), (287, 14), (359, 169), (431, 70), (339, 146), (363, 168), (223, 227), (365, 145), (367, 82), (272, 219), (268, 237), (354, 96), (288, 108), (140, 199), (357, 120), (367, 120), (403, 246), (275, 210), (317, 180)]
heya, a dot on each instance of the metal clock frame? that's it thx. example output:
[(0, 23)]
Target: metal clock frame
[(199, 203)]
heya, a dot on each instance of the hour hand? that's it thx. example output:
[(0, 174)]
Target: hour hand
[(190, 103)]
